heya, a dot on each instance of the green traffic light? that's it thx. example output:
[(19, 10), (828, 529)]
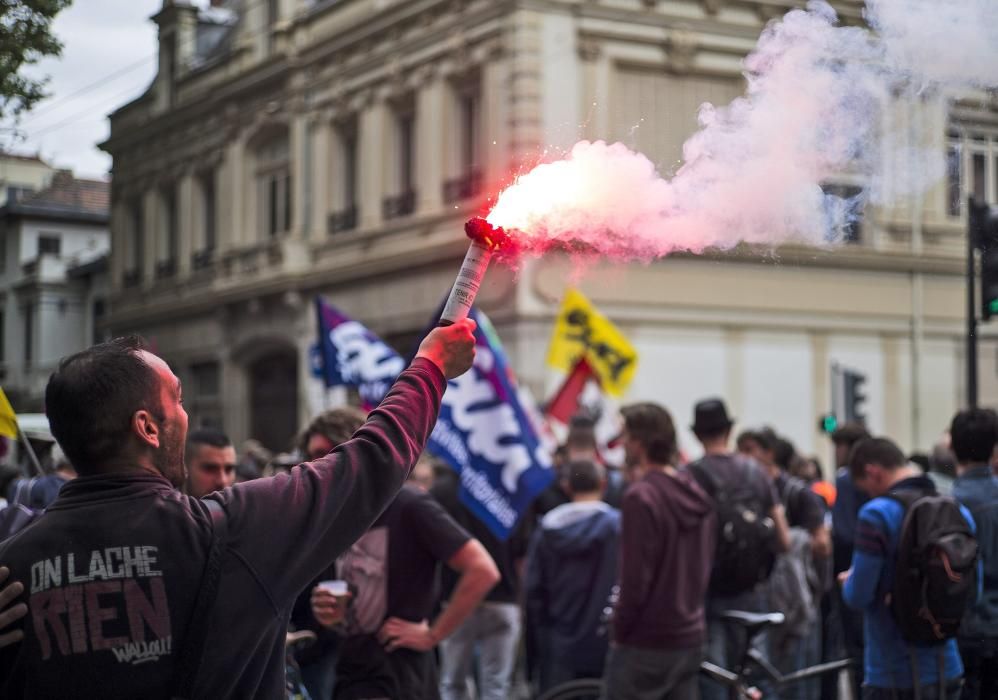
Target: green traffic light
[(993, 306), (829, 423)]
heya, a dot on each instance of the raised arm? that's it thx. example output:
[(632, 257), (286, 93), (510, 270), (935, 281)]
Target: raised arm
[(290, 527)]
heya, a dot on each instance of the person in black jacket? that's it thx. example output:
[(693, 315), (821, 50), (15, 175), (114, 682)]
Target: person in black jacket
[(113, 570), (571, 571)]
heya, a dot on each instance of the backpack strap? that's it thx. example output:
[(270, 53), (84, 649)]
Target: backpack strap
[(189, 658)]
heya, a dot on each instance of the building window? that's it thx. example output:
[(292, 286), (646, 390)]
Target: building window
[(403, 201), (851, 200), (972, 159), (166, 266), (207, 380), (16, 192), (49, 244), (273, 14), (29, 334), (274, 187), (98, 312), (135, 253), (954, 180), (344, 215), (209, 221), (466, 177)]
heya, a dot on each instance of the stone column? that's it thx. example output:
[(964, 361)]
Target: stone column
[(372, 162), (151, 234), (188, 222), (234, 198), (430, 128), (321, 190), (300, 155)]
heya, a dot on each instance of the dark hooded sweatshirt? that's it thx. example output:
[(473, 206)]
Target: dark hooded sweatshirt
[(667, 549), (571, 570), (112, 570)]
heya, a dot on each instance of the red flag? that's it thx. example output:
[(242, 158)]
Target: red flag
[(565, 403)]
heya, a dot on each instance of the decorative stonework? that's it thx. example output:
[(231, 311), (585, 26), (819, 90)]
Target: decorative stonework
[(769, 12), (589, 49), (681, 49)]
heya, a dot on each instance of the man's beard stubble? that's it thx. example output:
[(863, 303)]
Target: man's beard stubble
[(169, 458)]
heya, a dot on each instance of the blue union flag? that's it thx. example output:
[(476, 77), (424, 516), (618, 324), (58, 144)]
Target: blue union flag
[(351, 355), (486, 436), (483, 432)]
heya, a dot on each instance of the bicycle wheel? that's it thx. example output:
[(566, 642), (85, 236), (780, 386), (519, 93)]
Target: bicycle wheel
[(583, 689)]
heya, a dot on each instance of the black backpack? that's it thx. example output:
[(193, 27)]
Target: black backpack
[(745, 555), (935, 577)]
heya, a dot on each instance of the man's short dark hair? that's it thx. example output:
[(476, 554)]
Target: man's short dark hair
[(763, 438), (849, 434), (652, 426), (584, 476), (973, 434), (878, 450), (335, 424), (783, 452), (205, 436), (91, 397)]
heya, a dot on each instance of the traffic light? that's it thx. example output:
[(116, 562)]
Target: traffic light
[(984, 231), (854, 396), (828, 423)]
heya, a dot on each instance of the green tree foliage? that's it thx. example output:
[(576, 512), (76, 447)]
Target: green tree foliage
[(25, 38)]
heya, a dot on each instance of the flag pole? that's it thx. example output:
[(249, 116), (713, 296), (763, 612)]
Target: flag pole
[(30, 450)]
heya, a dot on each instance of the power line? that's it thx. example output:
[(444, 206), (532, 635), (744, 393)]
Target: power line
[(77, 115), (56, 104), (242, 12)]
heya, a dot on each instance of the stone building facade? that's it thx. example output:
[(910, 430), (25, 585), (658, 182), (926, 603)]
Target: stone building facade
[(290, 148)]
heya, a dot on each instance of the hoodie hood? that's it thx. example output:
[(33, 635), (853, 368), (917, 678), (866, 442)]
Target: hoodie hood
[(578, 527), (685, 498)]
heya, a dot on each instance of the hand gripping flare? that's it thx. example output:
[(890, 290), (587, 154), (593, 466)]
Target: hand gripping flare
[(485, 240)]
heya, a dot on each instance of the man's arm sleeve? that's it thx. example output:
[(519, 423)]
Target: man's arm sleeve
[(639, 552), (289, 528), (868, 559)]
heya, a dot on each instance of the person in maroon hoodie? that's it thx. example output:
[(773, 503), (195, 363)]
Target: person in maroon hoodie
[(113, 569), (667, 546)]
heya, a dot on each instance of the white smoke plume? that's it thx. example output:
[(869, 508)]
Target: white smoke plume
[(753, 172)]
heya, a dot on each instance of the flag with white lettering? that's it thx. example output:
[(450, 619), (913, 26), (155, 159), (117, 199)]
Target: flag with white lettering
[(351, 355), (487, 437)]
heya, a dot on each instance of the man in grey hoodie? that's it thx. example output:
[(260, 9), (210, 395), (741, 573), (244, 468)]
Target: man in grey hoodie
[(571, 570)]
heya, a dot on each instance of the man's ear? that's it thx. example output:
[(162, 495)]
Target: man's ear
[(146, 428)]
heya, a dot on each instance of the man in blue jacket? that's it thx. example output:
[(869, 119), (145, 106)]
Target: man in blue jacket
[(891, 664), (571, 569), (973, 435)]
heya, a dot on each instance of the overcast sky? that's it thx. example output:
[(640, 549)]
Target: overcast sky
[(108, 42)]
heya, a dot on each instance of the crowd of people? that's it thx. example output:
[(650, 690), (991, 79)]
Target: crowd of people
[(361, 574)]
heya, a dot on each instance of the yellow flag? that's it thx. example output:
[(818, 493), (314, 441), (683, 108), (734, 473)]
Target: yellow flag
[(580, 331), (8, 420)]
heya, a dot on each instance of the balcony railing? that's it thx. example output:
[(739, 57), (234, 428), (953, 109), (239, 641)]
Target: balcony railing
[(400, 205), (343, 220), (131, 278), (463, 187), (202, 259), (166, 268)]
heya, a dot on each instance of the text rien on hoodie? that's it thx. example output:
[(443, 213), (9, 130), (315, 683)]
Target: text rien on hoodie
[(74, 602)]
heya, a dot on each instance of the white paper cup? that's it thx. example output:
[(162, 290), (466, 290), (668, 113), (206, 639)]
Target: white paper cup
[(337, 588)]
